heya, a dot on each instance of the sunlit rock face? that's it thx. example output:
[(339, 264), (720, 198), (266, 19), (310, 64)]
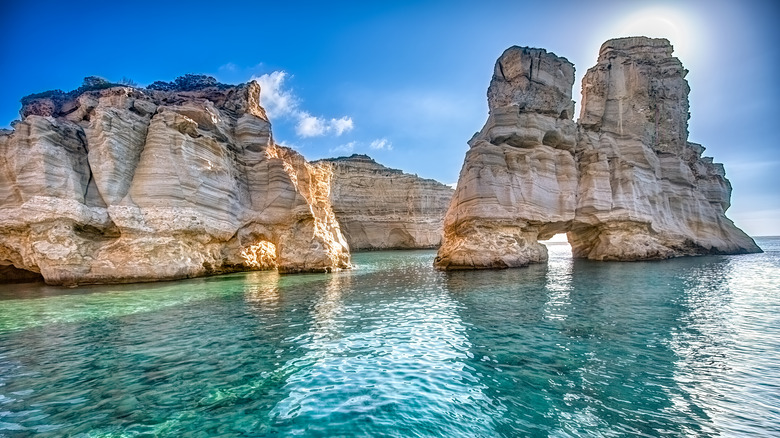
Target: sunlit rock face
[(624, 182), (125, 184), (382, 208)]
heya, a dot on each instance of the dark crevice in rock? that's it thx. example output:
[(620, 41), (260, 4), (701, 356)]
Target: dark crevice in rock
[(12, 274)]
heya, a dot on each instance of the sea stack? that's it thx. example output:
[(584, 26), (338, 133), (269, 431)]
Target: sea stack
[(382, 208), (518, 183), (624, 182), (117, 184)]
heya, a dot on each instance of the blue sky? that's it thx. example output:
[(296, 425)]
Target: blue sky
[(405, 82)]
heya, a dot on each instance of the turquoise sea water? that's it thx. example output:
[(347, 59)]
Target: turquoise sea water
[(685, 347)]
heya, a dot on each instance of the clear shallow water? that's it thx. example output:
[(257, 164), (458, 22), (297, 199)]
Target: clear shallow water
[(686, 347)]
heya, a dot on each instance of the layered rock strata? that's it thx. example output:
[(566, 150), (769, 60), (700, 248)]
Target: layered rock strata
[(624, 182), (124, 184), (519, 179), (382, 208), (645, 191)]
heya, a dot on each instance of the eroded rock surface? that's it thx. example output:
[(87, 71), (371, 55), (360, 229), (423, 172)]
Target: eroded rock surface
[(645, 191), (382, 208), (519, 179), (124, 184), (624, 183)]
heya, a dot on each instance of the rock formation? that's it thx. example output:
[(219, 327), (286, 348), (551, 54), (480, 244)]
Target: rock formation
[(624, 183), (382, 208), (182, 179), (645, 191), (519, 179)]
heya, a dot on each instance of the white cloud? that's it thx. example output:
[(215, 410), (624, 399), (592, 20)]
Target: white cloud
[(341, 125), (277, 101), (228, 67), (344, 148), (310, 126), (349, 148), (283, 103), (381, 143)]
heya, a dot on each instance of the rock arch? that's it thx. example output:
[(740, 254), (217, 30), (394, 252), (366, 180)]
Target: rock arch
[(623, 182)]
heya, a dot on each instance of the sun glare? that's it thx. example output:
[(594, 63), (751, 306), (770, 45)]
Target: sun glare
[(672, 24), (652, 26)]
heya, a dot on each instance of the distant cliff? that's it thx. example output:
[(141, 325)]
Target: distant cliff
[(624, 182), (112, 183), (382, 208)]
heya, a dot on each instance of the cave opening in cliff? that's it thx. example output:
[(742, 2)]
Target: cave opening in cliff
[(11, 274)]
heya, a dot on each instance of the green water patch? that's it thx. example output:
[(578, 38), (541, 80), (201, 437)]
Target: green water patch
[(28, 306)]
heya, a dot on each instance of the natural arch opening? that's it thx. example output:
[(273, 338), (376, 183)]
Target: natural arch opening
[(558, 246)]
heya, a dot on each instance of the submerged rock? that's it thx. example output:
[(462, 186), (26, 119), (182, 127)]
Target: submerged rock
[(382, 208), (624, 182), (124, 184)]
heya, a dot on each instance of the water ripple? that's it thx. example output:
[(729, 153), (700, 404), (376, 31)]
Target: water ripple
[(687, 347)]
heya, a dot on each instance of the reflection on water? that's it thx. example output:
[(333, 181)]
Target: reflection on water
[(728, 344), (687, 347), (394, 361), (558, 280), (262, 289)]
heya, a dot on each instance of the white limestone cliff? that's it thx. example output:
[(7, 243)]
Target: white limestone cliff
[(645, 191), (519, 179), (178, 180), (382, 208)]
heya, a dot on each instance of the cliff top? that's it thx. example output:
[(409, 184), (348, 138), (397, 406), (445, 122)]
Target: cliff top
[(363, 161), (188, 82), (536, 51), (353, 157), (190, 86), (534, 80), (637, 44)]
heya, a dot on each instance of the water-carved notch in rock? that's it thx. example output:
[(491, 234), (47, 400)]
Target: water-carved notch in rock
[(12, 274), (261, 255), (551, 138)]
